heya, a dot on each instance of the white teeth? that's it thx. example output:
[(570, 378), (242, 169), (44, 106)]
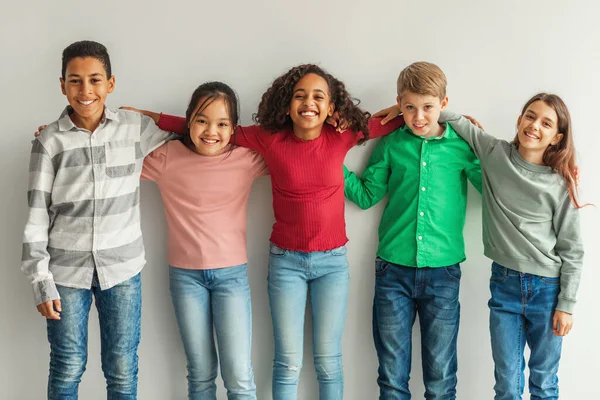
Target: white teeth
[(209, 141), (86, 103), (531, 135), (308, 114)]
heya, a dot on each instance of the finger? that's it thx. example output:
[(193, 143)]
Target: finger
[(48, 311), (381, 113), (36, 134), (57, 305), (387, 119), (555, 325)]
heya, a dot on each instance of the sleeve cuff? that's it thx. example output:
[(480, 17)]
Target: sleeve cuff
[(565, 305), (44, 291)]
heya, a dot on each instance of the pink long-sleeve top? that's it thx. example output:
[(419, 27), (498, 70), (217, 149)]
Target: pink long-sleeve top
[(205, 200)]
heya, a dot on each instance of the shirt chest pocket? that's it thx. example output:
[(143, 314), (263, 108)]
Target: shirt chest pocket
[(120, 158)]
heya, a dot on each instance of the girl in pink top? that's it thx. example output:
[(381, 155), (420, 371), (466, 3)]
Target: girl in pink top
[(205, 183), (305, 157)]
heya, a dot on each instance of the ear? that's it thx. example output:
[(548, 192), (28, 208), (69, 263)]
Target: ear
[(331, 109), (62, 86), (444, 103), (519, 120), (111, 84), (398, 100), (556, 139)]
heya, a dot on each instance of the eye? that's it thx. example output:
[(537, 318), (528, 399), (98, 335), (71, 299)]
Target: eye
[(547, 125), (75, 81), (223, 124), (410, 108), (529, 117), (201, 121), (428, 107), (298, 96), (95, 80)]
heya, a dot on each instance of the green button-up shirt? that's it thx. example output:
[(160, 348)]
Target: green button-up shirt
[(426, 183)]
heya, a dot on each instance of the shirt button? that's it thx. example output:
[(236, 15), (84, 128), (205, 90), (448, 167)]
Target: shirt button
[(420, 237), (421, 213), (425, 142), (423, 189), (424, 163)]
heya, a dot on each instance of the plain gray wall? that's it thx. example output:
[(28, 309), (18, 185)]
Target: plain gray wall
[(496, 54)]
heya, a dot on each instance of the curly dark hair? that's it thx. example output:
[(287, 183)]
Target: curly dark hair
[(83, 49), (274, 105)]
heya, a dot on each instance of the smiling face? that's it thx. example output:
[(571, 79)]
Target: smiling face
[(311, 104), (421, 113), (86, 87), (211, 129), (537, 129)]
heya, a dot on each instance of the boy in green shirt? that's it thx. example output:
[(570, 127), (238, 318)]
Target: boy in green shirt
[(423, 167)]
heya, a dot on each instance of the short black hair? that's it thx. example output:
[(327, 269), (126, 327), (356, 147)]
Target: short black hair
[(83, 49)]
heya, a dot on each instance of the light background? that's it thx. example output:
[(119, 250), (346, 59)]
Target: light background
[(496, 54)]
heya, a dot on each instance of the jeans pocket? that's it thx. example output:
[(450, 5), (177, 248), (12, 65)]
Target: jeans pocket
[(275, 250), (550, 281), (453, 271), (340, 251), (499, 273), (381, 266)]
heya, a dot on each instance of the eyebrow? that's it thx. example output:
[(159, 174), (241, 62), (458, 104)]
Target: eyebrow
[(205, 116), (79, 76), (544, 118), (315, 90)]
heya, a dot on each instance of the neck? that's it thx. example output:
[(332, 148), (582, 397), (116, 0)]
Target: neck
[(532, 156), (436, 131), (307, 134), (87, 123)]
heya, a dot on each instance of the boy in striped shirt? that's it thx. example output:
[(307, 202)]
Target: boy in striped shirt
[(83, 237)]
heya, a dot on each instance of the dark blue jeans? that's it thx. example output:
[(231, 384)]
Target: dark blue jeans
[(521, 311), (119, 312), (400, 294)]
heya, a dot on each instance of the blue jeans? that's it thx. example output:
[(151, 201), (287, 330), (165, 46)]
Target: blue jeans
[(400, 294), (521, 311), (219, 297), (119, 312), (325, 276)]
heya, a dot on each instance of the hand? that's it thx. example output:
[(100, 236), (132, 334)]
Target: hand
[(562, 323), (50, 309), (474, 121), (388, 114), (337, 122), (40, 129), (153, 115)]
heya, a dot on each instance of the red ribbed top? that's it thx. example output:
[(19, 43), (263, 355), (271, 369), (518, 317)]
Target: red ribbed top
[(307, 180)]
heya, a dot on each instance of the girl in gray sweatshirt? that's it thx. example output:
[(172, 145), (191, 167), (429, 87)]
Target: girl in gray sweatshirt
[(531, 232)]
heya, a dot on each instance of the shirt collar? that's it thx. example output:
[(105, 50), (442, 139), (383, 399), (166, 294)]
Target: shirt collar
[(449, 133), (65, 123)]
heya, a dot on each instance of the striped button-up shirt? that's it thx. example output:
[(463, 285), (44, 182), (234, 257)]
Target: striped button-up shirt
[(84, 202)]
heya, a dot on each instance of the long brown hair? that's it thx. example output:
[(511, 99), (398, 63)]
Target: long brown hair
[(275, 102), (561, 156)]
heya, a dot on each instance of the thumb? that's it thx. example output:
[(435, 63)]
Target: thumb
[(387, 119)]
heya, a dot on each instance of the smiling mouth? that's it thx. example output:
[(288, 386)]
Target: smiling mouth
[(420, 126), (531, 135), (85, 103), (309, 114), (209, 141)]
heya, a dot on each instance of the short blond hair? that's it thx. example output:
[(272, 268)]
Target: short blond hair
[(422, 78)]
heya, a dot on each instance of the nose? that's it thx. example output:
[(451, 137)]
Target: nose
[(85, 87), (420, 114)]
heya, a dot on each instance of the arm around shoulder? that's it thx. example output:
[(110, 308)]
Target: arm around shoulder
[(481, 142)]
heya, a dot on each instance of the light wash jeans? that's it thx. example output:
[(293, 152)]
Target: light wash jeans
[(292, 276), (521, 311), (119, 312), (220, 298)]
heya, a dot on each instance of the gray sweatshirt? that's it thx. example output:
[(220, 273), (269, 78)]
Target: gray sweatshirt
[(529, 222)]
